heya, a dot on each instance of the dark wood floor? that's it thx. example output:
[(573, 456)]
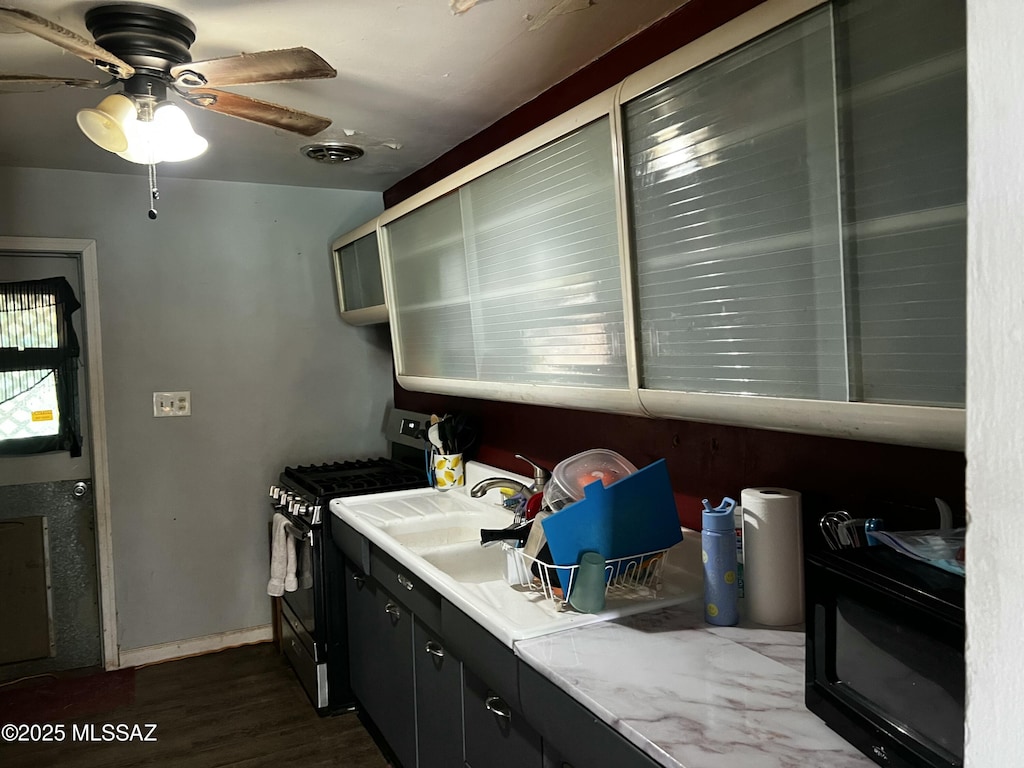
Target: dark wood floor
[(241, 707)]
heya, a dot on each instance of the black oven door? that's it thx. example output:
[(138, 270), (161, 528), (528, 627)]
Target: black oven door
[(302, 603), (885, 659)]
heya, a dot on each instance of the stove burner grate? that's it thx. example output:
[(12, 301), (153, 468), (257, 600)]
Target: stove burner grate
[(349, 478)]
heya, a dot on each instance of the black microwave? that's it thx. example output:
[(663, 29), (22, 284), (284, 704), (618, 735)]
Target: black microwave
[(885, 655)]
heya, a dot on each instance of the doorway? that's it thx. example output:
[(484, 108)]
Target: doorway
[(54, 508)]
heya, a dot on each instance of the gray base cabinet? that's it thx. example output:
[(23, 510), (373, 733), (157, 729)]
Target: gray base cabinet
[(581, 740), (381, 662), (443, 692), (438, 701), (497, 736)]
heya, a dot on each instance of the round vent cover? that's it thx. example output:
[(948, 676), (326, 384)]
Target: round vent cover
[(332, 152)]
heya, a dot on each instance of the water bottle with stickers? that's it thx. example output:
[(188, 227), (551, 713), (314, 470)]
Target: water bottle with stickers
[(718, 553)]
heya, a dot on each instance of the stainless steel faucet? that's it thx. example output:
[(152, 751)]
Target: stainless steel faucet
[(540, 477)]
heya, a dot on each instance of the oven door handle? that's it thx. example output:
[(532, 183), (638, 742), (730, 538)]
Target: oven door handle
[(299, 532)]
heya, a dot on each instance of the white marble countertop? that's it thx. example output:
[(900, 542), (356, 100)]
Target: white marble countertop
[(694, 696)]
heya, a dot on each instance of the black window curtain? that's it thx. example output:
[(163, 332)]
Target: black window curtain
[(37, 339)]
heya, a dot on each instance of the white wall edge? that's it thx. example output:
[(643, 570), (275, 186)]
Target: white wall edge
[(85, 250), (152, 654)]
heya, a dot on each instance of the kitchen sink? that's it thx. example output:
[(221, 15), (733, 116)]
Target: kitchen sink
[(437, 537), (432, 532), (468, 562)]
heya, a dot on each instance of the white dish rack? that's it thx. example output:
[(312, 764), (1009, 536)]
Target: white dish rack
[(632, 577)]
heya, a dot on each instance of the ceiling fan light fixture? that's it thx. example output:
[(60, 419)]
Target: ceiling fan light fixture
[(166, 136), (178, 140), (105, 123)]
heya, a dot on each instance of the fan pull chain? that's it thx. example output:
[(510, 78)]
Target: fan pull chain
[(154, 193)]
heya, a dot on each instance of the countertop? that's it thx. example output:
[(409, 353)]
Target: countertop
[(694, 696)]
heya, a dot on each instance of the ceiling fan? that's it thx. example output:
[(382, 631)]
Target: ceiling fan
[(147, 49)]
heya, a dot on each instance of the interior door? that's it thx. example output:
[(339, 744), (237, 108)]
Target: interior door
[(55, 574)]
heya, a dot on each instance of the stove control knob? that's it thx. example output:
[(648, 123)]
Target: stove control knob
[(274, 492), (300, 509), (283, 499), (315, 512)]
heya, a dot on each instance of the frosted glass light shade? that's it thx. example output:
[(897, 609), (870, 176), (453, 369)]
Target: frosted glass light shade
[(177, 139), (105, 124), (142, 146), (168, 137)]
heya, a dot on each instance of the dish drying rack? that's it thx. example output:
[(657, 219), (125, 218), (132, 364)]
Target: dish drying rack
[(632, 577)]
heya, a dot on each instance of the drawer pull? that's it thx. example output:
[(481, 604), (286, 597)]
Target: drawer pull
[(392, 610), (498, 707), (359, 579), (405, 581), (434, 649)]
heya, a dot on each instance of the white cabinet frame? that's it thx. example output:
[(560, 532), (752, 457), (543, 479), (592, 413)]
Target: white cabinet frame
[(361, 315)]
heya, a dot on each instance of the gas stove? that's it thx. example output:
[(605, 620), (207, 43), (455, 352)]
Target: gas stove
[(318, 484), (313, 629)]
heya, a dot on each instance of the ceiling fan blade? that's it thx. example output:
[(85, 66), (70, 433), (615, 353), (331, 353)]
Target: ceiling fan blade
[(257, 111), (47, 80), (66, 39), (247, 68)]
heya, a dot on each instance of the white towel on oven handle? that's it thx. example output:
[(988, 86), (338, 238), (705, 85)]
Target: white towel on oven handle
[(282, 558)]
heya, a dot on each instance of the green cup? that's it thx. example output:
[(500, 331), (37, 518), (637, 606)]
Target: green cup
[(587, 595)]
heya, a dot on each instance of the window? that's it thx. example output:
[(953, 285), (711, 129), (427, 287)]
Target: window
[(38, 368)]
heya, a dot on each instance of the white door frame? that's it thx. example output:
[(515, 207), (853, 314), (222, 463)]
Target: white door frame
[(85, 252)]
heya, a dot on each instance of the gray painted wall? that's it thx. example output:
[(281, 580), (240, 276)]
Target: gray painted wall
[(228, 294)]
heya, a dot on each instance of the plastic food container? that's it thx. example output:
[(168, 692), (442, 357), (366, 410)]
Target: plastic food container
[(572, 475)]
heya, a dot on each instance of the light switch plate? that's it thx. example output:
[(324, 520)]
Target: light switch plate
[(172, 404)]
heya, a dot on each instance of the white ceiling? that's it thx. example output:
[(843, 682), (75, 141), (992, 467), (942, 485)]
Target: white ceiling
[(410, 72)]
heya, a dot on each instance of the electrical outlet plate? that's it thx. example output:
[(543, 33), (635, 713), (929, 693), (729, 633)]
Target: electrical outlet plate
[(172, 404)]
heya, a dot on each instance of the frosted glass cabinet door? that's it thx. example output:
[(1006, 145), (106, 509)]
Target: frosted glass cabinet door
[(903, 108), (515, 278), (544, 269), (735, 201), (799, 214), (431, 288), (360, 286)]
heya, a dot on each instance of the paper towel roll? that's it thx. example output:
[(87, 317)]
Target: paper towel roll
[(773, 557)]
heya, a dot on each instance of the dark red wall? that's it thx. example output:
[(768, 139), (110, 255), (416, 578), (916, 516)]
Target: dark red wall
[(869, 479), (711, 461)]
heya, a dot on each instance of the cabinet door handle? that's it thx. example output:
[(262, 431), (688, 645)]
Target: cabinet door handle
[(359, 579), (434, 649), (498, 707), (392, 610), (405, 581)]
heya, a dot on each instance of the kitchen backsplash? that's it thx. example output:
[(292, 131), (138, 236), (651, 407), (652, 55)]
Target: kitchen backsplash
[(898, 483)]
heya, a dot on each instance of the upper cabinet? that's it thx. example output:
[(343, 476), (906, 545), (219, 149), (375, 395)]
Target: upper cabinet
[(358, 278), (510, 285), (799, 224), (766, 228)]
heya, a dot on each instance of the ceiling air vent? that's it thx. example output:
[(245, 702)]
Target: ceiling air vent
[(332, 152)]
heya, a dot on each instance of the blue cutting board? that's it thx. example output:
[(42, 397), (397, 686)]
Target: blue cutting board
[(632, 516)]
